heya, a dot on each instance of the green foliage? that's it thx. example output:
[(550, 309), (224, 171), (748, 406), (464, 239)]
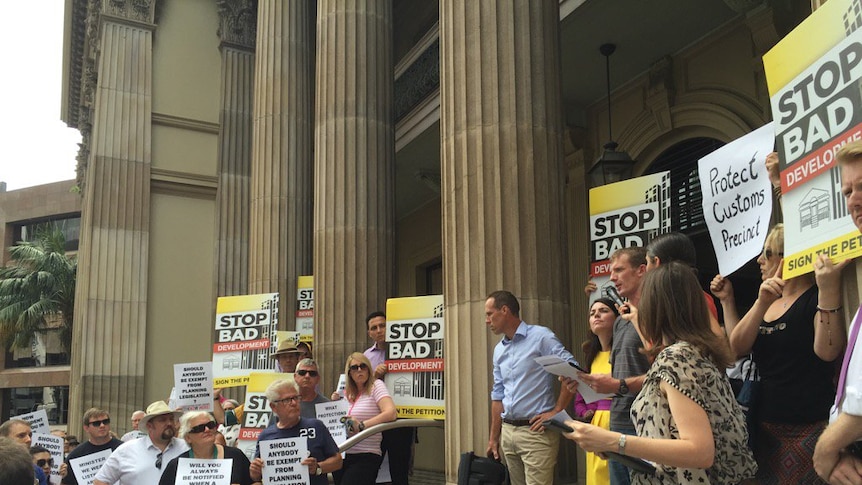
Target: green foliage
[(37, 286)]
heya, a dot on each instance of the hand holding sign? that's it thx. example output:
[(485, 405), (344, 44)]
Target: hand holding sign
[(772, 288), (828, 275)]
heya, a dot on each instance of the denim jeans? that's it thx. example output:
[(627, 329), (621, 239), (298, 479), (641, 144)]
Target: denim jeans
[(620, 473)]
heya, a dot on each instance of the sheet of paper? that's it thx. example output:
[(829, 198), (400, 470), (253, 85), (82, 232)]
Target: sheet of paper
[(86, 467), (560, 367), (38, 421), (281, 461), (198, 470)]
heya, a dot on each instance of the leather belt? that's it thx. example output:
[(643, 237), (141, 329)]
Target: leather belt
[(517, 422)]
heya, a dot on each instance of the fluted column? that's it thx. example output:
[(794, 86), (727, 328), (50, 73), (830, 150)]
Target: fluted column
[(281, 168), (237, 20), (354, 174), (501, 152), (109, 335)]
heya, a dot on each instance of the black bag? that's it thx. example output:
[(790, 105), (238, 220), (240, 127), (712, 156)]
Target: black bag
[(477, 470), (748, 399)]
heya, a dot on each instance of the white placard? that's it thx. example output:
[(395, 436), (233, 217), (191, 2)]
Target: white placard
[(737, 197), (194, 386), (54, 444), (331, 413), (342, 385), (281, 461), (204, 471), (172, 399), (38, 421), (86, 467)]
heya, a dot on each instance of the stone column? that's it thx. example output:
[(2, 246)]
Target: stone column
[(237, 34), (109, 335), (503, 227), (281, 167), (354, 175)]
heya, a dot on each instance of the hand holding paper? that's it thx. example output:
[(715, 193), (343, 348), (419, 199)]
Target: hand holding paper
[(560, 367)]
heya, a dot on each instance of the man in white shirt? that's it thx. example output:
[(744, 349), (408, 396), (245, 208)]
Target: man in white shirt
[(834, 457), (135, 433), (141, 461)]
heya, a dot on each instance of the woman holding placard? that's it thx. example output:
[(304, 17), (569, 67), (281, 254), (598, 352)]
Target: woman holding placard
[(198, 428), (370, 404)]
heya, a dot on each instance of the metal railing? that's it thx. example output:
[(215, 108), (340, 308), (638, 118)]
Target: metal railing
[(379, 428)]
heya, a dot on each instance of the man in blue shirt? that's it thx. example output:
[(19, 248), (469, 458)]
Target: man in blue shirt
[(523, 393)]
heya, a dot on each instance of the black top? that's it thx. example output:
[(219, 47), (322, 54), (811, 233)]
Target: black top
[(796, 385), (239, 471), (84, 449)]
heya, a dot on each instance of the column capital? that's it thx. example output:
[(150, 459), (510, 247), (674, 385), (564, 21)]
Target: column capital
[(237, 22), (135, 10)]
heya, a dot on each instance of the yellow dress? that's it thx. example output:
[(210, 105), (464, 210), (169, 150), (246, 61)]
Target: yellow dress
[(597, 468)]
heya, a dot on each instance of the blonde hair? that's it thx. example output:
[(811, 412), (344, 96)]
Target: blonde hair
[(850, 152), (352, 390)]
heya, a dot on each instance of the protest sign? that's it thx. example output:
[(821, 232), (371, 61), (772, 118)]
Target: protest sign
[(414, 356), (245, 329), (54, 445), (305, 308), (194, 386), (281, 461), (38, 421), (331, 413), (203, 471), (737, 198), (86, 467), (256, 412), (625, 214), (813, 78)]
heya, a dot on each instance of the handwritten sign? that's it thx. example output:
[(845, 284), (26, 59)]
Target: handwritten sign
[(281, 461), (54, 445), (737, 197), (209, 472), (86, 467), (38, 421), (331, 413), (194, 385)]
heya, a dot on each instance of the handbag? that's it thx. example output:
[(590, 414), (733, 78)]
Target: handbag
[(748, 399), (478, 470)]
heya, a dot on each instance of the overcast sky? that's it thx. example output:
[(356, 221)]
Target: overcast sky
[(35, 146)]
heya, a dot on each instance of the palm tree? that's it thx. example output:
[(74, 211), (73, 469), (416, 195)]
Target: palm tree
[(37, 287)]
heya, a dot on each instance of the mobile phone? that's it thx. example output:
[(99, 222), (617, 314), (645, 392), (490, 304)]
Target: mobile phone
[(557, 426)]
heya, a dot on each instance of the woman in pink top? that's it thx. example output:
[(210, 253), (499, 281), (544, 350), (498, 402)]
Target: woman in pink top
[(370, 404)]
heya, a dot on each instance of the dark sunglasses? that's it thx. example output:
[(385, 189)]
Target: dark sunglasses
[(159, 461), (768, 254), (303, 372), (358, 366), (201, 427), (96, 424), (41, 463)]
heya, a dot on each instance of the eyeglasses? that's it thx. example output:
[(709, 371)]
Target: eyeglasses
[(159, 461), (41, 463), (288, 399), (100, 422), (201, 427), (303, 372), (768, 254), (358, 366)]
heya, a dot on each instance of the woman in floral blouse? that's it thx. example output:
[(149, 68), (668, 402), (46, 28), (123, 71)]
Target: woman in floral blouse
[(687, 420)]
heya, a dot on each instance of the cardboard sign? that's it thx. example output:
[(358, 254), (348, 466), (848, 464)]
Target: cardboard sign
[(256, 412), (54, 444), (737, 198), (203, 471), (38, 421), (194, 386), (86, 467), (245, 337), (305, 308), (281, 461), (331, 413)]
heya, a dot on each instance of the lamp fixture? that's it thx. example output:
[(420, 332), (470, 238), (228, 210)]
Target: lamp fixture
[(612, 166)]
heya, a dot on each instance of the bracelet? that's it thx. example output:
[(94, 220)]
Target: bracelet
[(830, 310)]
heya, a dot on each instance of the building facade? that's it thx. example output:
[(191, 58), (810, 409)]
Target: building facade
[(389, 148)]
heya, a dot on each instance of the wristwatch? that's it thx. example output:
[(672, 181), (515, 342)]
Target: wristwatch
[(624, 388), (622, 444), (318, 472)]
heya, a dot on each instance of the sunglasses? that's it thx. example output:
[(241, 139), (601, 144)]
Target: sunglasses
[(201, 427), (41, 463), (358, 366), (289, 399), (96, 424), (303, 372), (159, 461)]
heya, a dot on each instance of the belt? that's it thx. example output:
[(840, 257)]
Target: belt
[(517, 422)]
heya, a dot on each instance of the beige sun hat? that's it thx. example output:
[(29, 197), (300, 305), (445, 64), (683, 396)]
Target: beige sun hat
[(287, 346), (157, 408)]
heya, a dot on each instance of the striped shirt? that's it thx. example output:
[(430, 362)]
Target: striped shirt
[(364, 408)]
